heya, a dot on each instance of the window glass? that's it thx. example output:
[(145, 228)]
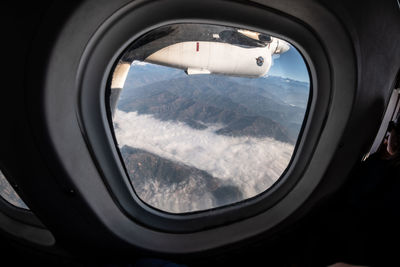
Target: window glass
[(8, 193), (206, 116)]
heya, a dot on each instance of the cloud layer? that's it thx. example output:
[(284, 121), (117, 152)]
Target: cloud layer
[(251, 164)]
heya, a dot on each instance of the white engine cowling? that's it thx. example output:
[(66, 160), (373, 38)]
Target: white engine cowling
[(214, 57)]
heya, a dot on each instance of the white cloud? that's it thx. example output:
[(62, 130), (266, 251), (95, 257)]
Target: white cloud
[(252, 164)]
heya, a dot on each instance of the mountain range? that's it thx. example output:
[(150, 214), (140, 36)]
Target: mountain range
[(156, 179), (243, 109), (259, 120)]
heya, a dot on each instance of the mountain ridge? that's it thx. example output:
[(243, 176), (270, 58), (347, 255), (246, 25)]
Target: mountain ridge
[(201, 100)]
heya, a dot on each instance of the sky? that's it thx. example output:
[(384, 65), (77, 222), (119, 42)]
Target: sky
[(290, 65)]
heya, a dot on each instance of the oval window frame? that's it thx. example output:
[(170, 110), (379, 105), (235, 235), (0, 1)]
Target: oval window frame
[(61, 107), (110, 162), (270, 190)]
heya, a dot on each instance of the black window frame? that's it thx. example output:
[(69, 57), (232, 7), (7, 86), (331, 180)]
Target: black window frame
[(76, 68), (109, 159)]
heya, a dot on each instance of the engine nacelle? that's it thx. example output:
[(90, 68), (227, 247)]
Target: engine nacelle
[(213, 57)]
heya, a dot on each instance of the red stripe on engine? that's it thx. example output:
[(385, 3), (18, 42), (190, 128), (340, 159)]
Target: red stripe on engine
[(197, 46)]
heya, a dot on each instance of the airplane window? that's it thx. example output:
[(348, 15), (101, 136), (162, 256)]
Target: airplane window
[(8, 193), (206, 116)]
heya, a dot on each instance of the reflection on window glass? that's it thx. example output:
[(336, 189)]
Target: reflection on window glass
[(206, 116), (9, 194)]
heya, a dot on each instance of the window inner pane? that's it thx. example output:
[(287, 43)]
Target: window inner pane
[(207, 116), (8, 193)]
